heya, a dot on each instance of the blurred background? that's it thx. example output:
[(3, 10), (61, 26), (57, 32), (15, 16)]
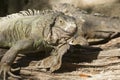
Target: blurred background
[(107, 7)]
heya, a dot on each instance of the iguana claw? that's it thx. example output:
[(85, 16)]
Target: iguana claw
[(5, 70), (51, 62)]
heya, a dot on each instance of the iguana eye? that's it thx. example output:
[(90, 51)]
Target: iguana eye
[(61, 21)]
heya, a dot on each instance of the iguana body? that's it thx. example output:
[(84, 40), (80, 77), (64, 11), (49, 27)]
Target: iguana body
[(35, 31), (109, 8), (91, 25)]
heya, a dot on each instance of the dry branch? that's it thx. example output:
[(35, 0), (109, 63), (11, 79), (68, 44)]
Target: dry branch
[(110, 53)]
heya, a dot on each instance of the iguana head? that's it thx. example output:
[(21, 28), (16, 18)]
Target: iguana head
[(64, 28), (79, 41), (66, 23)]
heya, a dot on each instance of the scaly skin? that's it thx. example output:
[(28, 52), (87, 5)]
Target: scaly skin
[(90, 26), (35, 31)]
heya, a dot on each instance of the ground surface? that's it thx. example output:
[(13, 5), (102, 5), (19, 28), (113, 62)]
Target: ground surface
[(85, 63)]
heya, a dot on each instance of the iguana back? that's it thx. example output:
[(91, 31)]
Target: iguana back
[(26, 24)]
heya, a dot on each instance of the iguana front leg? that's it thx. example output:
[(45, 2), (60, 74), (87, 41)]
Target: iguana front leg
[(54, 61), (10, 55)]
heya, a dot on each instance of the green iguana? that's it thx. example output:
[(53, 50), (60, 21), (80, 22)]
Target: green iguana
[(90, 25), (109, 8), (35, 31)]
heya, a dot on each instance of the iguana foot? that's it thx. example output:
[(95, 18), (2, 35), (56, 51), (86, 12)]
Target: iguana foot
[(5, 70), (52, 62)]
